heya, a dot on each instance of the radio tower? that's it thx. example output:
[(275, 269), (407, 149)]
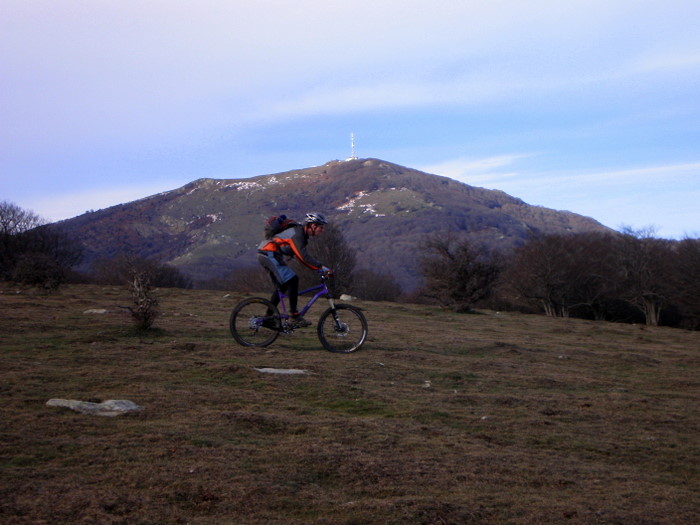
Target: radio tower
[(352, 147)]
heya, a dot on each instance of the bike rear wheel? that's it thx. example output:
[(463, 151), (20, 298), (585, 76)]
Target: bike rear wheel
[(343, 329), (252, 324)]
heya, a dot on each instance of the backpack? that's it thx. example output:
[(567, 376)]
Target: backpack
[(277, 224)]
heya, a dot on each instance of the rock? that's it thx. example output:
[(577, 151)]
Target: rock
[(111, 407), (288, 371), (95, 311), (346, 297)]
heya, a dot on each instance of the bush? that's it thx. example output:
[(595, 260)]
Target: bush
[(145, 303), (38, 269)]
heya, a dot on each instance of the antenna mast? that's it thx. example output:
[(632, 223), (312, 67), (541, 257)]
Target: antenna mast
[(352, 147)]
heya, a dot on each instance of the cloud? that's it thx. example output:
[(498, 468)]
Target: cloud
[(134, 72), (664, 196), (160, 65), (675, 60), (97, 88), (473, 171)]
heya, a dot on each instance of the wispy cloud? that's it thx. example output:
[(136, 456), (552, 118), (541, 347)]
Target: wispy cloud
[(474, 171), (638, 196), (102, 90), (498, 168), (675, 60), (640, 175)]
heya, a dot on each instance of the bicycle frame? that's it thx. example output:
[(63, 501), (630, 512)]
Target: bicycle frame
[(321, 291), (341, 328)]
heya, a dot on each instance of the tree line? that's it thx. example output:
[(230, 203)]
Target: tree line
[(33, 252), (627, 276), (38, 254), (630, 276)]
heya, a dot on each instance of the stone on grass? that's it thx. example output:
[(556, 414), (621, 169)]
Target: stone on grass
[(110, 408), (288, 371)]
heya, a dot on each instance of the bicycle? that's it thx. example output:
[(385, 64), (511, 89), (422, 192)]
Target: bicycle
[(342, 328)]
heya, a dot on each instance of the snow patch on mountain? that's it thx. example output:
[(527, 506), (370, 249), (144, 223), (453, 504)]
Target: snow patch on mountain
[(366, 208)]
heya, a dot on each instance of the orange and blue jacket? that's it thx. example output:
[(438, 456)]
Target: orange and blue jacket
[(292, 242)]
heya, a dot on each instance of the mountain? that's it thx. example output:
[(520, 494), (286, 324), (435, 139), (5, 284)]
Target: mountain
[(210, 227)]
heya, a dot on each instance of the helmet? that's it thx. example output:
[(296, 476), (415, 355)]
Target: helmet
[(315, 218)]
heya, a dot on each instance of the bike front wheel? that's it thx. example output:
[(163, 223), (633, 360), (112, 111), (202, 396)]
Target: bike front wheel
[(254, 322), (342, 329)]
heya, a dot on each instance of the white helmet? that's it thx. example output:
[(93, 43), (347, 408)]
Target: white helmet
[(315, 218)]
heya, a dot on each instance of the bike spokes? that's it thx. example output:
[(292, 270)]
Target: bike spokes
[(251, 323), (342, 329)]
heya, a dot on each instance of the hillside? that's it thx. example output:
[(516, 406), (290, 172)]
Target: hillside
[(210, 227), (440, 419)]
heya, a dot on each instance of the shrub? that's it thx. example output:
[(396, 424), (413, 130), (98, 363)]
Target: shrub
[(145, 303)]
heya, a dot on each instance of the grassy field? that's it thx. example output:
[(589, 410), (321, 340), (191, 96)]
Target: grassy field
[(441, 418)]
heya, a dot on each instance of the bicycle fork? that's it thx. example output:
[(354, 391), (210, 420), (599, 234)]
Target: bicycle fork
[(339, 327)]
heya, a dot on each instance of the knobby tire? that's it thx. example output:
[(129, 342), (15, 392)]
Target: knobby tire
[(244, 326), (346, 337)]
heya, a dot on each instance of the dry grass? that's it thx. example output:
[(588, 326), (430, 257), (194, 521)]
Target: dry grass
[(441, 418)]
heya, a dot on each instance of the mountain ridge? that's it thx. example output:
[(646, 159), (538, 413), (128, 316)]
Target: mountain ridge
[(210, 227)]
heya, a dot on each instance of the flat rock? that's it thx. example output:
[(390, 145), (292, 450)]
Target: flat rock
[(110, 408), (288, 371)]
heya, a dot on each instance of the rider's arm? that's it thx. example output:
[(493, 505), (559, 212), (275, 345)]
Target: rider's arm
[(298, 244), (293, 242)]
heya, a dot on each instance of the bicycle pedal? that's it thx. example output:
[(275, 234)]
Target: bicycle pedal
[(300, 323)]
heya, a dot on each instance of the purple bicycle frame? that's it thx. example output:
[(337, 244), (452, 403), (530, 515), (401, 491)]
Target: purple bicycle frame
[(322, 291)]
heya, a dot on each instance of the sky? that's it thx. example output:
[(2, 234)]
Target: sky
[(590, 106)]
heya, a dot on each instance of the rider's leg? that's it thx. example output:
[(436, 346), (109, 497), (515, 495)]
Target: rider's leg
[(280, 275), (284, 278), (291, 288)]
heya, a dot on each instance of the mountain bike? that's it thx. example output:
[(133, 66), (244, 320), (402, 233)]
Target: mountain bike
[(342, 328)]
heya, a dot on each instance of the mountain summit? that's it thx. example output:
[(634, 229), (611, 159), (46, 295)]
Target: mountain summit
[(213, 226)]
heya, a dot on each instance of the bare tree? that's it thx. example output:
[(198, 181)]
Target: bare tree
[(32, 252), (565, 274), (539, 272), (686, 281), (456, 274), (645, 272), (591, 272), (14, 220), (332, 249), (374, 286), (251, 279)]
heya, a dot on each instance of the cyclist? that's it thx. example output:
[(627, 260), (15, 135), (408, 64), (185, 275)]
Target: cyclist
[(290, 243)]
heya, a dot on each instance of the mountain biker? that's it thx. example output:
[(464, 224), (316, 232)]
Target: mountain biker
[(290, 243)]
